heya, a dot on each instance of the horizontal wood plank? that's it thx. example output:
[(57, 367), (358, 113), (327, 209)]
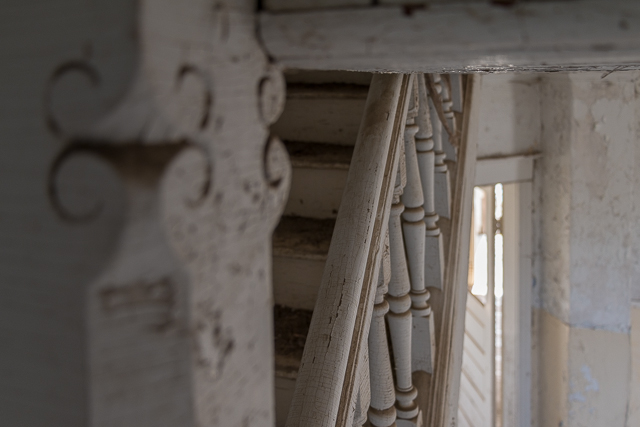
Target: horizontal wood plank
[(590, 34)]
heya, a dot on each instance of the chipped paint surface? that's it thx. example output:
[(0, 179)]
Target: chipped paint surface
[(588, 202), (587, 244)]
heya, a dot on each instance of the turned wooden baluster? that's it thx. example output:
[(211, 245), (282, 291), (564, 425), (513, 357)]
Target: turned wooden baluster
[(423, 344), (425, 146), (382, 412), (399, 316), (441, 183), (413, 224), (447, 105), (457, 97), (363, 397)]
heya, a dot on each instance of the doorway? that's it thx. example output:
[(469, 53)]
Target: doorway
[(495, 375)]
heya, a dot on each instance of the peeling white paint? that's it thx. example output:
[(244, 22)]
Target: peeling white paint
[(592, 382)]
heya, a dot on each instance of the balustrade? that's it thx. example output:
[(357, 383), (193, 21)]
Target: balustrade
[(448, 137), (327, 384), (346, 380), (442, 181), (382, 412), (423, 335)]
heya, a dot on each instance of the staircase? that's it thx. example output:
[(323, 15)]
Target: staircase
[(319, 128), (371, 355)]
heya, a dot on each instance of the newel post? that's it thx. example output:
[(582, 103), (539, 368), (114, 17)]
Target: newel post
[(141, 186)]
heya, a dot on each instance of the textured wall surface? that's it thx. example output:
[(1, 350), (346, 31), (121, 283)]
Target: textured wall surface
[(509, 115), (588, 204), (587, 240)]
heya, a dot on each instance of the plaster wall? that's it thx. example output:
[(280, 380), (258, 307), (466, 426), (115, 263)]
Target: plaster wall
[(587, 240), (634, 391), (589, 200), (509, 111), (584, 377)]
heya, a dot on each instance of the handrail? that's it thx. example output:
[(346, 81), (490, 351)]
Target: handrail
[(327, 380)]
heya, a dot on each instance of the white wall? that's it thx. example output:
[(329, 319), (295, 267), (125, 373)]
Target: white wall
[(587, 242), (586, 235), (509, 115)]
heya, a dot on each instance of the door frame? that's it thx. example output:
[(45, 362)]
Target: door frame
[(516, 175)]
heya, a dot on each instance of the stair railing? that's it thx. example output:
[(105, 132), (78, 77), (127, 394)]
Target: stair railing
[(386, 250), (327, 388)]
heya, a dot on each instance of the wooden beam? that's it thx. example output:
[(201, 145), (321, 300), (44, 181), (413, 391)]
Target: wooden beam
[(541, 36), (505, 169)]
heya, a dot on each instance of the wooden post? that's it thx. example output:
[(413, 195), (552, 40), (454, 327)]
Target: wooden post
[(140, 189)]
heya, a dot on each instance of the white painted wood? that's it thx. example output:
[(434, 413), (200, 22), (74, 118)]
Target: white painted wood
[(319, 176), (326, 383), (455, 36), (517, 302), (363, 396), (399, 315), (287, 5), (425, 146), (478, 363), (300, 247), (442, 180), (505, 169), (457, 95), (321, 113), (511, 111), (423, 334), (413, 218), (447, 106), (442, 406), (296, 280), (382, 412), (316, 192), (136, 266), (324, 76), (284, 388)]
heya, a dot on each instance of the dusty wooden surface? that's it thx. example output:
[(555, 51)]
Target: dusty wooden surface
[(327, 376), (454, 36), (441, 408)]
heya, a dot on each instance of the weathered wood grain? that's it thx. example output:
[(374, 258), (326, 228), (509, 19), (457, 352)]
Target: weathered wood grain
[(441, 409), (453, 36), (327, 377)]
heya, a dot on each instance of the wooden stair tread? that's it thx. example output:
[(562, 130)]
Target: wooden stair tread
[(326, 91), (300, 237), (327, 76), (291, 328), (318, 155)]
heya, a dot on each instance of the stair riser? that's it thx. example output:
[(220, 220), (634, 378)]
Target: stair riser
[(333, 121), (316, 193), (296, 281), (284, 396)]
